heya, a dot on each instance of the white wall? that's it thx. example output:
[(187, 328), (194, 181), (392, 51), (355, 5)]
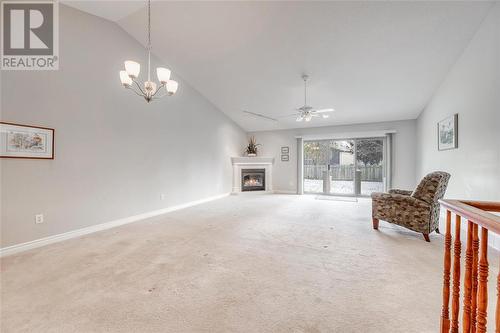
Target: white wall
[(285, 173), (114, 154), (471, 89)]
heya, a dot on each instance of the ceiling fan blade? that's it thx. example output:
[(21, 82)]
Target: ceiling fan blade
[(290, 115), (323, 110), (260, 115)]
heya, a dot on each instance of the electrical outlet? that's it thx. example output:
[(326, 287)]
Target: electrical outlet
[(39, 218), (162, 196)]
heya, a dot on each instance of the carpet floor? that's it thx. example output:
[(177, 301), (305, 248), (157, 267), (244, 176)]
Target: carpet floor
[(246, 263)]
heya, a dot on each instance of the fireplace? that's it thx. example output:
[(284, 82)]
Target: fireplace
[(253, 179)]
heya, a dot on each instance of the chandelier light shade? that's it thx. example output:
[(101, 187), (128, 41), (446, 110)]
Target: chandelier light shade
[(125, 78), (132, 68), (149, 89), (172, 87), (163, 74)]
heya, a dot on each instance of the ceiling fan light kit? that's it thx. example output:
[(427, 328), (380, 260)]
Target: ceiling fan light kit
[(149, 89)]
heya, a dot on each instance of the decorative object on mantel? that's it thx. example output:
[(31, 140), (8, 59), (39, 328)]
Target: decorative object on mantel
[(251, 149), (448, 133), (22, 141), (132, 69), (285, 158)]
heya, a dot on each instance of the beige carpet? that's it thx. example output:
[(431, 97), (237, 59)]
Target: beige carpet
[(247, 263)]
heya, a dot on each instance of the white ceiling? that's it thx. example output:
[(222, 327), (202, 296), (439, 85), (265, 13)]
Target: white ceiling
[(112, 10), (371, 61)]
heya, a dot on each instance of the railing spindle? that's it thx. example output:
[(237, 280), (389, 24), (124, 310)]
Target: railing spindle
[(482, 295), (466, 322), (477, 214), (475, 261), (455, 302), (445, 318)]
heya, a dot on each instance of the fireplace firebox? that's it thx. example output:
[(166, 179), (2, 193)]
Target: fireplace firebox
[(253, 179)]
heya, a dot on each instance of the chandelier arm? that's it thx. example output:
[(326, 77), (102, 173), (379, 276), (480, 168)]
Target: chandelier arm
[(162, 85), (135, 91), (160, 96), (138, 86)]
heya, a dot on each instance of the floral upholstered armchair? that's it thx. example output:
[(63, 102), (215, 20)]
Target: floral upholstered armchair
[(416, 210)]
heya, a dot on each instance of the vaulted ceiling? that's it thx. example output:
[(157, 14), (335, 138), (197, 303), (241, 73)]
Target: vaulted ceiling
[(371, 61)]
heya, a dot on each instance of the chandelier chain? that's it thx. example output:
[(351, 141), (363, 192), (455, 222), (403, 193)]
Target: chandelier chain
[(149, 24), (149, 40)]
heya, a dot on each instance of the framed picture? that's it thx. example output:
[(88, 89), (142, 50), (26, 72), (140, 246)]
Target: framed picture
[(285, 150), (22, 141), (285, 158), (448, 133)]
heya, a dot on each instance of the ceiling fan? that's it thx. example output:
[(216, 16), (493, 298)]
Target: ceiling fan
[(305, 112)]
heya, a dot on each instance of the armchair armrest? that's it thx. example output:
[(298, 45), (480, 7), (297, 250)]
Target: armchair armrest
[(402, 192), (398, 200)]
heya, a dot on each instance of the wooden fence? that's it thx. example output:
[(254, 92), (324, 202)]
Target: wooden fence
[(371, 173)]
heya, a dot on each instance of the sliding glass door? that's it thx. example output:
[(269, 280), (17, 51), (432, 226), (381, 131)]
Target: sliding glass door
[(344, 167), (370, 165), (341, 167), (316, 160)]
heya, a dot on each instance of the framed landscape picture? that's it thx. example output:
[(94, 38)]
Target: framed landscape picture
[(22, 141), (448, 133)]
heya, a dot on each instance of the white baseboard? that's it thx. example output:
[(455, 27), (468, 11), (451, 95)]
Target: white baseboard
[(99, 227), (284, 192), (263, 192)]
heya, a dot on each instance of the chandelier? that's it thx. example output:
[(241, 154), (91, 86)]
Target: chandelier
[(150, 89)]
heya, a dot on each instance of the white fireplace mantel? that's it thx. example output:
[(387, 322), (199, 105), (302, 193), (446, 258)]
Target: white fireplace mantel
[(252, 160), (256, 162)]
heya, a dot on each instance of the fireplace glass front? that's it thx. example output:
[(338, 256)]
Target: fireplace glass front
[(253, 179)]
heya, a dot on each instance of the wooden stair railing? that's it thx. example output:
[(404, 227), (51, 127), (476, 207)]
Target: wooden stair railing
[(475, 287)]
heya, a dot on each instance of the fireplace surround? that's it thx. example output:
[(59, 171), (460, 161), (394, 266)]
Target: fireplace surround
[(263, 164)]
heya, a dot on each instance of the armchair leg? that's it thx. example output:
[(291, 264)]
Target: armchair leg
[(426, 236), (375, 223)]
